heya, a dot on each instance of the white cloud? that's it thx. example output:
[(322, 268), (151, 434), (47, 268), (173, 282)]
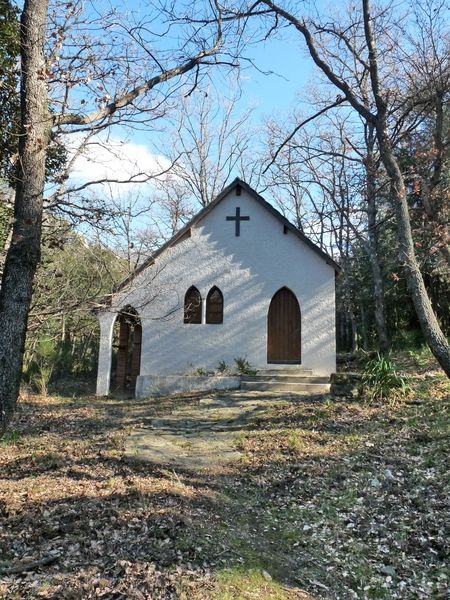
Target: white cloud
[(115, 160)]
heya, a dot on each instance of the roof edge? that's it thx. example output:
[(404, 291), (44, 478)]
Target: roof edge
[(326, 257), (202, 214)]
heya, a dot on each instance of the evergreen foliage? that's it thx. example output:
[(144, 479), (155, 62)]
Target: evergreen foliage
[(416, 159), (73, 277), (9, 94)]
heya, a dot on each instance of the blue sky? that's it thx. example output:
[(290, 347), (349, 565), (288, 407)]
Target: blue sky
[(292, 70), (278, 84), (286, 58), (273, 89)]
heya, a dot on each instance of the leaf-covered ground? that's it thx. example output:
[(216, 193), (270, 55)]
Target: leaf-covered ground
[(333, 498)]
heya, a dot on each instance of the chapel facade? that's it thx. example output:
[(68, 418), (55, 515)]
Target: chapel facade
[(238, 280)]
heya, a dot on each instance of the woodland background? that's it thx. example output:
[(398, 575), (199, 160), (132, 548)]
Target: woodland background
[(338, 495), (323, 173)]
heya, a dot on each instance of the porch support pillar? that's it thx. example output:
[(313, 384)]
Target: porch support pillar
[(106, 321)]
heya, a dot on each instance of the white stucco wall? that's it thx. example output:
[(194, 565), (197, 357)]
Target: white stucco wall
[(248, 270)]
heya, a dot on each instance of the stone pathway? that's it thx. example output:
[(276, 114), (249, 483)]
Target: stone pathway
[(198, 434)]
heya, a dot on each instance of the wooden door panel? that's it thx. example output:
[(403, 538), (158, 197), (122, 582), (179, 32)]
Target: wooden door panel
[(122, 353), (284, 329), (128, 351), (136, 355)]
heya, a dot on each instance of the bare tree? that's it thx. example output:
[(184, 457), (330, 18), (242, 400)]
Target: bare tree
[(107, 71), (129, 229), (175, 201), (371, 41), (210, 144), (371, 166), (428, 80), (327, 176)]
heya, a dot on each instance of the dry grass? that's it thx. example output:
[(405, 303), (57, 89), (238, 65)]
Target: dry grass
[(333, 499)]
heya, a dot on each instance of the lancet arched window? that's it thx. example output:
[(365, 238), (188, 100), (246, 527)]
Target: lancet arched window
[(214, 306), (193, 306)]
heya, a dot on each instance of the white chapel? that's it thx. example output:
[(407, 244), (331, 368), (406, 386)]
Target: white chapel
[(239, 280)]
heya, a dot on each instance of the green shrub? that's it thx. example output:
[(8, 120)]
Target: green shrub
[(382, 381), (405, 339), (10, 438), (40, 367), (421, 357), (199, 372), (222, 367), (243, 366)]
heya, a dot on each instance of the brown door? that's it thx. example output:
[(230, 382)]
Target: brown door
[(128, 350), (122, 353), (136, 355), (284, 329)]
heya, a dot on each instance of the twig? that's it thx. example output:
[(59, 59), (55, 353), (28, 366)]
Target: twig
[(29, 566), (176, 476), (339, 101), (226, 550), (320, 585)]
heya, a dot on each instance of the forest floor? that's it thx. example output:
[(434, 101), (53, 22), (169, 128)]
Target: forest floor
[(324, 497)]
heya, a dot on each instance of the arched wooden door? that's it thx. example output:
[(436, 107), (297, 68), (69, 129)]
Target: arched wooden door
[(284, 329)]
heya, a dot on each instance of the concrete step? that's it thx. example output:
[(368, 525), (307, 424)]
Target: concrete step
[(294, 378), (281, 371), (285, 386)]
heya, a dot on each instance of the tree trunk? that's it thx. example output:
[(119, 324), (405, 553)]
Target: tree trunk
[(364, 328), (353, 331), (378, 286), (24, 252), (436, 339)]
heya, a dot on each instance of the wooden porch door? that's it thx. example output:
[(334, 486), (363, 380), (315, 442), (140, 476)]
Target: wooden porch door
[(128, 350), (284, 329), (135, 365), (122, 353)]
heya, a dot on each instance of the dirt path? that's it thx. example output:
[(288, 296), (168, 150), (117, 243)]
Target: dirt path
[(198, 435)]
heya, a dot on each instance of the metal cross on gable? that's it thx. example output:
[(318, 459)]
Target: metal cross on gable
[(237, 218)]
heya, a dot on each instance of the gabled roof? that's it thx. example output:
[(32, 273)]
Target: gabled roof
[(200, 215)]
